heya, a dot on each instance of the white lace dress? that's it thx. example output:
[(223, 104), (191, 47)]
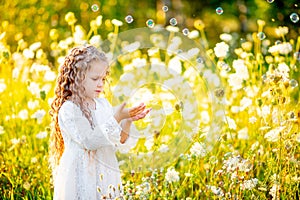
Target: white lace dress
[(88, 167)]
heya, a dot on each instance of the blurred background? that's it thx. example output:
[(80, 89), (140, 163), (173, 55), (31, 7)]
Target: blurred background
[(32, 19)]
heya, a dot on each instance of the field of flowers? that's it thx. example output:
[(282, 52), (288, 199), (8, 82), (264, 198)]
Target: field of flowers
[(225, 121)]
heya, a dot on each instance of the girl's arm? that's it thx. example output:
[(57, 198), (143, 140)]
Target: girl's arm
[(78, 128), (125, 125)]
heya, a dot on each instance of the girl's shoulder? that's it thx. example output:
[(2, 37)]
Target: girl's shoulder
[(103, 102), (68, 107)]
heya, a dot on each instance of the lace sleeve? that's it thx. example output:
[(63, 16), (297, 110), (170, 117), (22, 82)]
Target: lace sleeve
[(77, 127)]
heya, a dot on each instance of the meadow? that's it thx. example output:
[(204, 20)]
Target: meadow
[(226, 116)]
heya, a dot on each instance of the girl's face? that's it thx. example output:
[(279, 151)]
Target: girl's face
[(95, 78)]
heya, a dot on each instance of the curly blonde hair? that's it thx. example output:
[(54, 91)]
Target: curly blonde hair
[(69, 87)]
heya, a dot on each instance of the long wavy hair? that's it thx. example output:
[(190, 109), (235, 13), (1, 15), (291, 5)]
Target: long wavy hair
[(71, 75)]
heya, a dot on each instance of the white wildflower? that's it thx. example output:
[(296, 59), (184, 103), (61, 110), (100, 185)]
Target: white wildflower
[(249, 184), (23, 114), (226, 37), (139, 62), (285, 48), (235, 81), (172, 175), (96, 40), (163, 148), (32, 104), (132, 47), (172, 28), (198, 149), (241, 69), (39, 68), (2, 85), (49, 76), (232, 163), (245, 103), (282, 30), (34, 160), (205, 118), (79, 35), (243, 134), (274, 134), (149, 143), (1, 130), (39, 114), (217, 191), (15, 73), (221, 49), (116, 22), (265, 111), (231, 123), (34, 89), (284, 69), (35, 46), (15, 141), (193, 34), (41, 135), (274, 191), (252, 120), (27, 53)]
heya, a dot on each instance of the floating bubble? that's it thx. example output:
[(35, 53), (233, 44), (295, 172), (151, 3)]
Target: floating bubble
[(95, 7), (173, 21), (297, 55), (261, 35), (165, 8), (200, 60), (150, 23), (277, 42), (293, 83), (294, 17), (264, 77), (129, 19), (219, 10), (185, 31), (223, 66), (270, 1)]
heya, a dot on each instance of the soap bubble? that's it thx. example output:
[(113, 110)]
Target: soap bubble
[(297, 55), (270, 1), (95, 7), (165, 8), (185, 31), (200, 60), (261, 35), (129, 19), (277, 42), (173, 21), (294, 17), (219, 10), (150, 23), (293, 83)]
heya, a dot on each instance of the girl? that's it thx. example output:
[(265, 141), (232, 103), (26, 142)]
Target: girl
[(87, 131)]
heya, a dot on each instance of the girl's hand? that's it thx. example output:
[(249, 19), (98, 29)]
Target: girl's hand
[(133, 114)]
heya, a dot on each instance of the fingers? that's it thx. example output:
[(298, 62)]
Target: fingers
[(123, 105), (136, 110), (141, 115)]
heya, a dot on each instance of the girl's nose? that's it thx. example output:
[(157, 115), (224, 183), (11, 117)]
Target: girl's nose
[(100, 83)]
